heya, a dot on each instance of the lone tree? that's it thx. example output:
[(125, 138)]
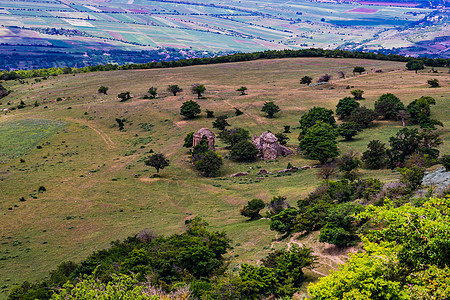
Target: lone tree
[(103, 90), (320, 143), (434, 83), (157, 161), (357, 94), (415, 65), (174, 89), (251, 210), (306, 80), (270, 109), (358, 70), (324, 78), (198, 89), (190, 109), (242, 89), (209, 164), (152, 92), (124, 96), (244, 151)]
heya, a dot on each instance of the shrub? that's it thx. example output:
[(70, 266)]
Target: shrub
[(320, 143), (244, 151), (357, 94), (220, 123), (388, 106), (237, 111), (358, 70), (412, 176), (282, 138), (198, 89), (153, 92), (314, 115), (124, 96), (363, 117), (251, 210), (209, 164), (270, 109), (242, 89), (174, 89), (277, 205), (346, 106), (209, 113), (348, 130), (324, 78), (103, 90), (434, 83), (306, 80), (445, 161)]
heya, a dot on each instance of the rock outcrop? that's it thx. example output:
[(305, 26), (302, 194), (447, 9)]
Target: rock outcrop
[(205, 132), (439, 179), (268, 146)]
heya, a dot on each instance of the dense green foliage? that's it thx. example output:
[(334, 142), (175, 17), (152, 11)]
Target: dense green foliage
[(103, 89), (251, 210), (420, 112), (124, 96), (190, 109), (406, 256), (306, 80), (198, 89), (220, 123), (314, 115), (233, 136), (189, 140), (415, 65), (209, 163), (320, 142), (243, 151), (348, 130), (363, 117), (375, 157), (346, 106), (388, 106), (359, 70), (357, 94)]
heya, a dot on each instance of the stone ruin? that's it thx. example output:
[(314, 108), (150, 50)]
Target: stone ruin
[(268, 146), (210, 136)]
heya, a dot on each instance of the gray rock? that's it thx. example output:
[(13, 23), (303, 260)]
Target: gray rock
[(268, 146), (239, 174), (439, 179)]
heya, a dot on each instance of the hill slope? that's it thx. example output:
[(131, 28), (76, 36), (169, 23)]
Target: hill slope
[(97, 188)]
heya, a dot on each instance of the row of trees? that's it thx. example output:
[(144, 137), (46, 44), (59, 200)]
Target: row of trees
[(269, 54)]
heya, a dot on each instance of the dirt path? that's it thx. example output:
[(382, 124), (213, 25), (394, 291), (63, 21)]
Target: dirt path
[(108, 141)]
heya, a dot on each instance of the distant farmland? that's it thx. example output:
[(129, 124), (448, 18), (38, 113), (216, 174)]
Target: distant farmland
[(243, 26)]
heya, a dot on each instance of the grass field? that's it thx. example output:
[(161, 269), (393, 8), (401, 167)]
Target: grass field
[(98, 188)]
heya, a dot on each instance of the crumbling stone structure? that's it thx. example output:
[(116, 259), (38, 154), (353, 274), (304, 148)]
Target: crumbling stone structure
[(208, 134)]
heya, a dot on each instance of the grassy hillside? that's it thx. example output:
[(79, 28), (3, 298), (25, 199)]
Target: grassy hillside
[(98, 188)]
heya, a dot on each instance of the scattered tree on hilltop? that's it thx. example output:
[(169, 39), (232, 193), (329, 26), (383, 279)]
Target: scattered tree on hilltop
[(157, 161), (270, 109), (346, 106), (190, 109), (316, 114), (174, 89), (103, 90), (153, 92), (358, 70), (306, 80), (198, 89), (242, 89), (221, 123), (388, 106), (414, 65)]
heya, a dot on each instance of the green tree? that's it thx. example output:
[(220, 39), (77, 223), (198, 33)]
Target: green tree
[(198, 89), (270, 109), (358, 70), (284, 222), (234, 135), (320, 143), (174, 89), (403, 145), (348, 163), (209, 113), (375, 157), (103, 90), (157, 161), (209, 165), (412, 176), (363, 117), (244, 151), (153, 92), (388, 106), (357, 94), (282, 138), (189, 140), (190, 109), (124, 96), (420, 112), (348, 130), (346, 106), (434, 83), (445, 161), (242, 89), (415, 65), (315, 114), (251, 210), (221, 123), (306, 80)]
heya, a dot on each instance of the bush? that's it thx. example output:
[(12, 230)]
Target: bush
[(103, 90), (412, 176), (244, 151), (420, 112), (434, 83), (284, 221), (242, 89), (189, 140), (282, 138), (277, 205), (209, 113), (306, 80), (445, 161), (198, 89), (209, 165), (234, 136), (220, 123), (238, 112), (153, 92), (357, 94), (124, 96), (359, 70), (174, 89), (324, 78), (251, 210), (190, 109)]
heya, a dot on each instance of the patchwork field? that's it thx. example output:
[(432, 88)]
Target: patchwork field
[(97, 188), (242, 26)]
